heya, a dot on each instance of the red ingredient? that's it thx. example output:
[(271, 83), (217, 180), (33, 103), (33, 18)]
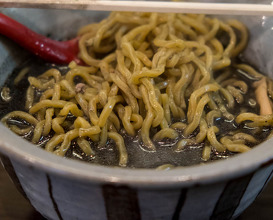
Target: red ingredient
[(59, 52)]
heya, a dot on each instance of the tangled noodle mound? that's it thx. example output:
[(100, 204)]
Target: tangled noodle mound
[(162, 76)]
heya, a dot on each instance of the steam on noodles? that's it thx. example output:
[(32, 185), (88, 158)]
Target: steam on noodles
[(159, 76)]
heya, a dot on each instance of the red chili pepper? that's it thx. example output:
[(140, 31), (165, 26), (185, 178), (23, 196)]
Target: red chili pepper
[(59, 52)]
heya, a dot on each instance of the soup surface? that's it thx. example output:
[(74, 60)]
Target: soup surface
[(155, 91)]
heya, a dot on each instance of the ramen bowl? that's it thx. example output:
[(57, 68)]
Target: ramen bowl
[(62, 188)]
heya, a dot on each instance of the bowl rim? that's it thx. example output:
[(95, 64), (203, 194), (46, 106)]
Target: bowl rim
[(26, 154), (23, 152)]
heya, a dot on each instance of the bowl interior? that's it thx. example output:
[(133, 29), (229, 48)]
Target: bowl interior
[(57, 24)]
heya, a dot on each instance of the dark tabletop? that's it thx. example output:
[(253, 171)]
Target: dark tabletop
[(13, 206)]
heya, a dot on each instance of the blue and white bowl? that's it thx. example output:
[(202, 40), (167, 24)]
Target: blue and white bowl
[(61, 188)]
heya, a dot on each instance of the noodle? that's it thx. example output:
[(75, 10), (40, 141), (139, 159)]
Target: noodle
[(160, 77)]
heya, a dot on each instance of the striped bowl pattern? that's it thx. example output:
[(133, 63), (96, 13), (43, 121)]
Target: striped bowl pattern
[(54, 188), (56, 197)]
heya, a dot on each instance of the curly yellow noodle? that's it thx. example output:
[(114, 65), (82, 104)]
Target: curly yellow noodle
[(82, 102), (181, 84), (186, 30), (244, 136), (54, 142), (29, 98), (212, 105), (126, 73), (159, 112), (89, 69), (250, 70), (200, 137), (47, 103), (215, 27), (258, 120), (52, 73), (165, 133), (228, 96), (39, 84), (213, 141), (236, 93), (113, 118), (56, 125), (232, 41), (242, 85), (179, 126), (84, 75), (84, 54), (123, 86), (37, 132), (90, 93), (126, 121), (197, 116), (103, 136), (46, 95), (68, 137), (89, 132), (147, 123), (19, 114), (173, 61), (80, 122), (85, 146), (48, 121), (195, 96), (183, 143), (231, 146), (93, 110), (244, 37), (72, 108), (166, 107), (222, 107), (108, 108), (218, 49), (155, 70), (206, 153), (20, 131), (176, 111), (21, 75), (111, 127), (210, 117), (199, 27), (137, 121), (56, 92), (165, 167), (103, 93), (123, 156), (41, 114), (148, 74), (64, 91)]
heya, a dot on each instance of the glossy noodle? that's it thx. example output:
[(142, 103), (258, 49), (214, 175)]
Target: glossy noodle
[(158, 76)]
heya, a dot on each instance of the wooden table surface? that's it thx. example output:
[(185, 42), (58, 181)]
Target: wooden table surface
[(13, 206)]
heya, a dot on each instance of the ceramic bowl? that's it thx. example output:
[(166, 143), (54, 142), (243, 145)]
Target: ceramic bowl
[(61, 188)]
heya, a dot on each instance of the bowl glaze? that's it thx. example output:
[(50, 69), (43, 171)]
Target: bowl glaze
[(61, 188)]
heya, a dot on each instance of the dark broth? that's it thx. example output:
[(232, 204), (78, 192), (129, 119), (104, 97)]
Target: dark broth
[(138, 156)]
